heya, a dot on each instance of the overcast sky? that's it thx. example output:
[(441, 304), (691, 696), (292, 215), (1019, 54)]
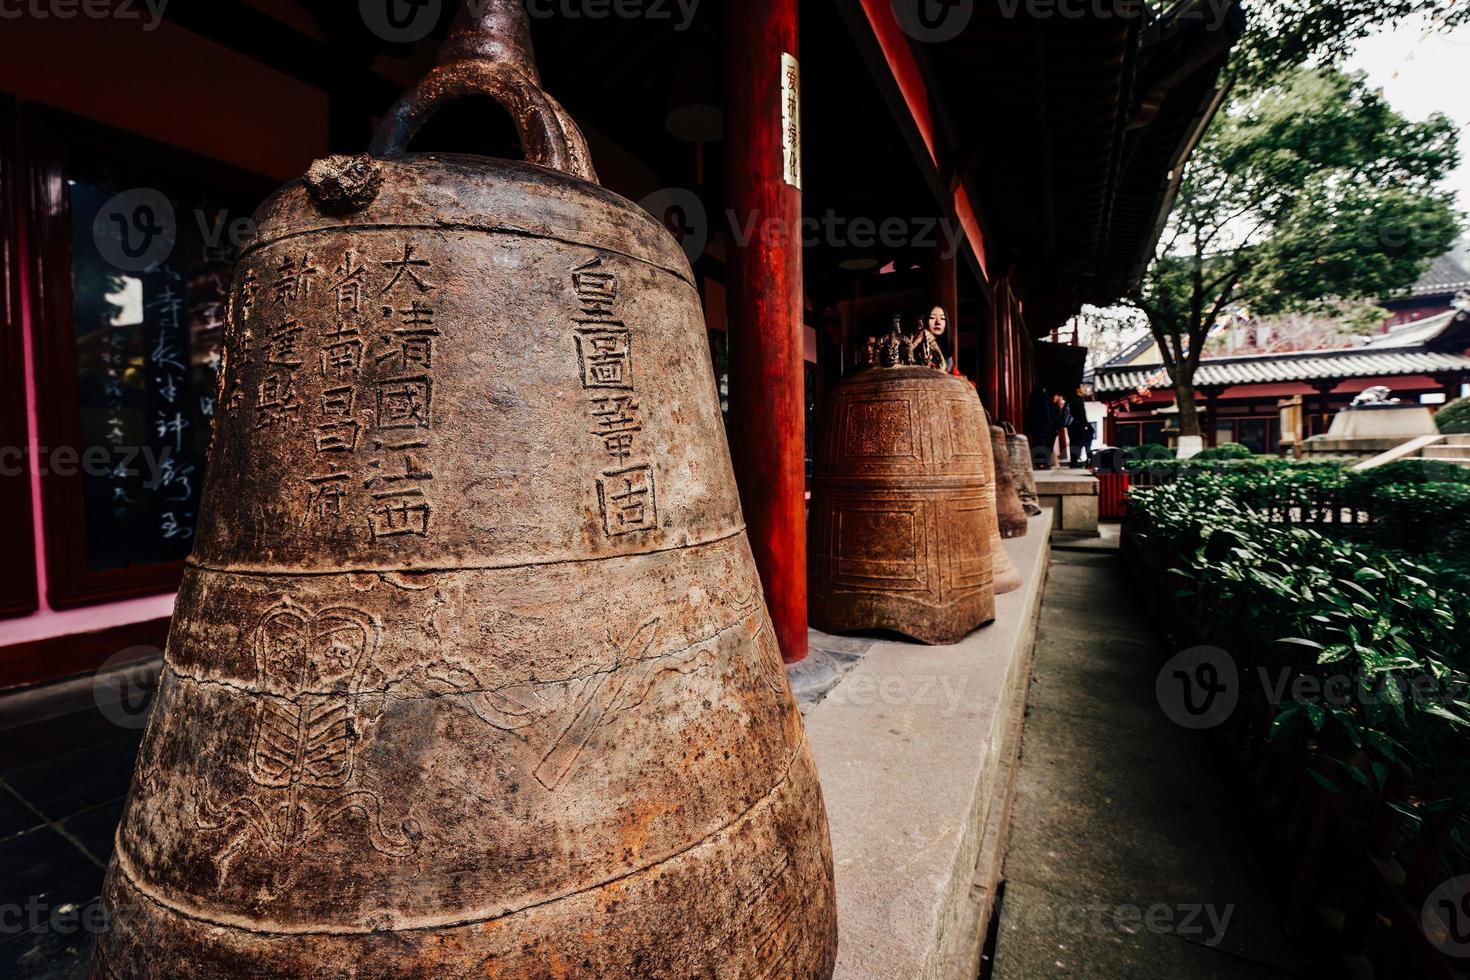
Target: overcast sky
[(1420, 72)]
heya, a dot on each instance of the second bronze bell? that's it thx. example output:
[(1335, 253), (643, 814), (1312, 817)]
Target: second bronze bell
[(900, 511)]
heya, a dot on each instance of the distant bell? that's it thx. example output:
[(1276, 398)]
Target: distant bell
[(1022, 469), (1008, 508), (901, 514), (1007, 575), (470, 674)]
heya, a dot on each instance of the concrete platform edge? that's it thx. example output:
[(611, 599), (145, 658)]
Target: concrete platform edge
[(916, 749)]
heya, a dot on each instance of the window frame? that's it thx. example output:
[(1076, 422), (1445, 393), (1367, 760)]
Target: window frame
[(19, 595), (49, 134)]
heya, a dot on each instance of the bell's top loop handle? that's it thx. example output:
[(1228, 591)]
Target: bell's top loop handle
[(1010, 429), (489, 54)]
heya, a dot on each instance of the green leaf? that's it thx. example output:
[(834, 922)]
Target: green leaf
[(1324, 782), (1438, 712), (1288, 719), (1358, 776)]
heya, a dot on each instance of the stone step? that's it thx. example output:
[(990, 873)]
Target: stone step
[(1460, 460), (1444, 451), (1458, 439)]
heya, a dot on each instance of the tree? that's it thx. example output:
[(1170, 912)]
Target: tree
[(1309, 191), (1283, 34)]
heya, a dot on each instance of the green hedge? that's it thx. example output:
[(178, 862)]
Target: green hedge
[(1454, 417), (1391, 628), (1229, 450)]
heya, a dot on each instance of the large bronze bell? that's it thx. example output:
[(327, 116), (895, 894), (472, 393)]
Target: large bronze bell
[(470, 672), (899, 514)]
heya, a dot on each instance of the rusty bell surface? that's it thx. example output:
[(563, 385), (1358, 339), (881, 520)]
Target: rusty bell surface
[(900, 515), (470, 672)]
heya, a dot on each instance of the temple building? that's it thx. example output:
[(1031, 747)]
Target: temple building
[(1422, 354), (1007, 168)]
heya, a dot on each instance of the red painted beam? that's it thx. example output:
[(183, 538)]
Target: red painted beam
[(767, 410), (914, 90)]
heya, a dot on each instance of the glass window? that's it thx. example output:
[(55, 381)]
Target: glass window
[(1255, 434), (135, 244), (148, 345)]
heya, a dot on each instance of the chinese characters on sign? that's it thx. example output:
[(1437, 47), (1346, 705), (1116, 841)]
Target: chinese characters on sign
[(791, 120), (625, 485)]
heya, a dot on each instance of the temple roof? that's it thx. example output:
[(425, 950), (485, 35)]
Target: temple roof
[(1303, 366)]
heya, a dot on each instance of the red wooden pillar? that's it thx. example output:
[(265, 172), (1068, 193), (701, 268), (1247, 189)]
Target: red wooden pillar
[(1025, 356), (767, 412), (1007, 356), (990, 349)]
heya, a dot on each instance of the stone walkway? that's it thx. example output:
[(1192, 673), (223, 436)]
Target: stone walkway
[(66, 760), (1125, 857)]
